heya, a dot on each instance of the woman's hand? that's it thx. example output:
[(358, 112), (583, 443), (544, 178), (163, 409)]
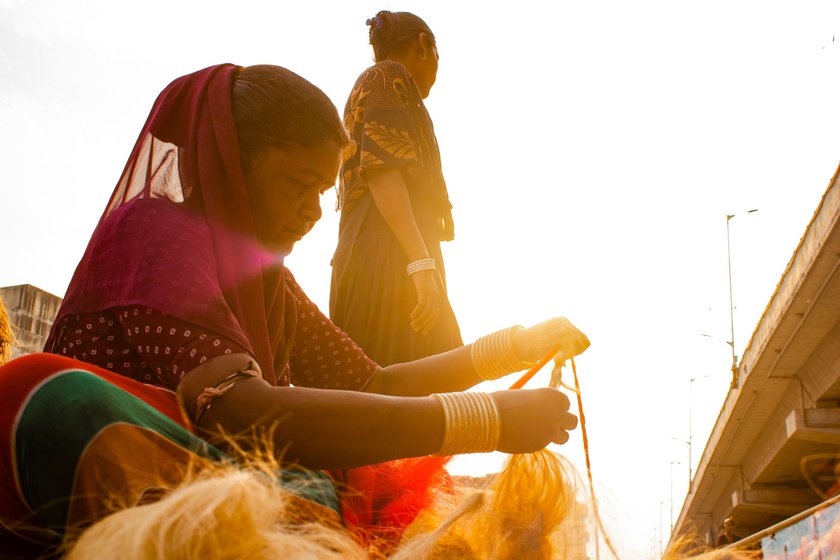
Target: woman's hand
[(531, 419), (532, 343), (430, 297)]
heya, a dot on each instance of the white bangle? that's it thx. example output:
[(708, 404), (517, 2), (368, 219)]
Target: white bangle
[(493, 355), (421, 264), (473, 423)]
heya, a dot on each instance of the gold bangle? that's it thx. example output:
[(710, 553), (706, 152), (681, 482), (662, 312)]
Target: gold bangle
[(493, 355), (472, 423)]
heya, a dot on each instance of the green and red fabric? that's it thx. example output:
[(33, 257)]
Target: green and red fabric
[(76, 441), (75, 437)]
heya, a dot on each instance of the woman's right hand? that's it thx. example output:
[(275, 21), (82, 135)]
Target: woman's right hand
[(430, 297), (559, 333), (533, 418)]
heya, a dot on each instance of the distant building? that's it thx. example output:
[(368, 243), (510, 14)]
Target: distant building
[(31, 312), (774, 451)]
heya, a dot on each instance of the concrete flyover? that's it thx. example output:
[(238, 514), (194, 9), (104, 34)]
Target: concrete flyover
[(774, 447)]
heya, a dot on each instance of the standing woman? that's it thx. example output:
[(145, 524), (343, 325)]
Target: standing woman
[(388, 284)]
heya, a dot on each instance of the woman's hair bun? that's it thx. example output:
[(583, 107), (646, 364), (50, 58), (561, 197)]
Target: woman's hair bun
[(378, 26), (393, 31)]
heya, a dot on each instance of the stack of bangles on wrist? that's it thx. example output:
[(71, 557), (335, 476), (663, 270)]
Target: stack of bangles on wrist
[(421, 264), (493, 355), (472, 423)]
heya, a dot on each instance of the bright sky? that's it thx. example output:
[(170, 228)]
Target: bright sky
[(592, 152)]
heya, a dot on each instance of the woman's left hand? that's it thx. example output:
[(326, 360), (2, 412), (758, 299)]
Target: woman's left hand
[(430, 297), (532, 343)]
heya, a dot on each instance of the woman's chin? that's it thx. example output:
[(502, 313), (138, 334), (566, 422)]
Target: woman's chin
[(278, 245), (280, 248)]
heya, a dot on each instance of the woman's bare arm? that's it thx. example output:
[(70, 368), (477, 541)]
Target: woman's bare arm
[(321, 428), (454, 371), (390, 195), (317, 428), (442, 373)]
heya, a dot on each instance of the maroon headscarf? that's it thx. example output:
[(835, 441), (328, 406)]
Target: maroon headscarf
[(178, 235)]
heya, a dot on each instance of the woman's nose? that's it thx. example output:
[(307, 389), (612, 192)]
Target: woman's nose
[(311, 208)]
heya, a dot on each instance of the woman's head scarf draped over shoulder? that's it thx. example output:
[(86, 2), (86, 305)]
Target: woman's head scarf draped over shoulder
[(178, 233), (391, 32)]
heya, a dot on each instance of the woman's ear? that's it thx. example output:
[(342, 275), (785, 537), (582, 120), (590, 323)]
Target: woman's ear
[(424, 46), (250, 161)]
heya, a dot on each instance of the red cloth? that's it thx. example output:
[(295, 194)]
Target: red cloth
[(382, 500), (180, 212)]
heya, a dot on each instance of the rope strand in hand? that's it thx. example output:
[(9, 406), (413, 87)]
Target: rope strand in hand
[(556, 380)]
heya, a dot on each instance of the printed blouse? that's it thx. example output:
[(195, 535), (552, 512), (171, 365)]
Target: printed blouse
[(388, 122), (157, 348)]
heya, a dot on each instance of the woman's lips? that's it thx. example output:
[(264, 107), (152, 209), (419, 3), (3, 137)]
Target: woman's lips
[(296, 233)]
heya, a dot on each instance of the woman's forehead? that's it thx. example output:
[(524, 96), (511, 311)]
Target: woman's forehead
[(319, 162)]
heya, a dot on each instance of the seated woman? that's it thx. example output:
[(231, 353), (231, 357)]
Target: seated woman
[(181, 323)]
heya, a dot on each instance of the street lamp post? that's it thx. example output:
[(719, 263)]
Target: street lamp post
[(731, 340), (690, 427), (661, 539), (671, 481), (688, 441)]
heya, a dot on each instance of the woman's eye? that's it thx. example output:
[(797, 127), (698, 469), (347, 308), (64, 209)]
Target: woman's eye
[(300, 186)]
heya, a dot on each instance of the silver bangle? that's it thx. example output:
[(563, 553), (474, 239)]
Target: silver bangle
[(421, 264)]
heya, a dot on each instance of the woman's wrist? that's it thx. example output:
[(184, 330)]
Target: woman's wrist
[(472, 423), (522, 346), (495, 355), (530, 344), (420, 265)]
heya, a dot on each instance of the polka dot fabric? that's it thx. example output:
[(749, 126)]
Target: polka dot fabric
[(155, 347), (323, 356), (140, 343)]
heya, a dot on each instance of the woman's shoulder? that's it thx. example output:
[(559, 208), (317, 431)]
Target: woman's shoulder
[(385, 85), (382, 74), (392, 68), (148, 222), (292, 286), (146, 209)]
